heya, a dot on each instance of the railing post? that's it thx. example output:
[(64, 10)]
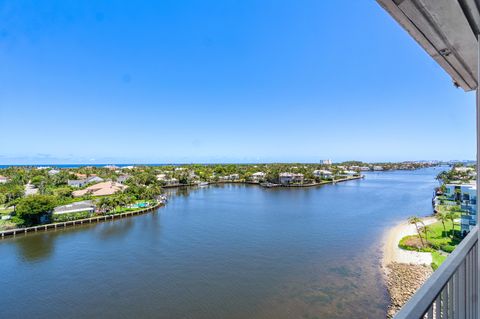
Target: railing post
[(478, 166)]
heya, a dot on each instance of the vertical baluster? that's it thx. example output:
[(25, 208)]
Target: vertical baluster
[(475, 279), (450, 298), (456, 293), (444, 308), (468, 274), (437, 303), (461, 295), (429, 313)]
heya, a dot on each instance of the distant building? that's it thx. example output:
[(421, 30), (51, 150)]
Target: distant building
[(122, 178), (322, 173), (111, 167), (231, 177), (101, 189), (463, 169), (258, 176), (171, 181), (364, 168), (53, 172), (327, 162), (161, 177), (350, 173), (30, 190), (3, 179), (378, 168), (290, 178), (83, 206), (466, 195), (83, 182)]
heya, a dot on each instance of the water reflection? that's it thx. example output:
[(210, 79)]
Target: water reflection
[(33, 248)]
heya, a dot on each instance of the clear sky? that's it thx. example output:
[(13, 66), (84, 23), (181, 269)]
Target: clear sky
[(221, 81)]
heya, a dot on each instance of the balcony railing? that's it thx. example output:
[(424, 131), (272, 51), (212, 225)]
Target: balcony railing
[(451, 291)]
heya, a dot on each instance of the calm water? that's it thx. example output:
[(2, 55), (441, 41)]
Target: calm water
[(221, 252)]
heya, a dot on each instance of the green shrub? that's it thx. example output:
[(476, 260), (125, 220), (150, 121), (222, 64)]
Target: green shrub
[(447, 248), (60, 218)]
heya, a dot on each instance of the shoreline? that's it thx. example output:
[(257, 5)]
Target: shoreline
[(392, 253), (403, 271)]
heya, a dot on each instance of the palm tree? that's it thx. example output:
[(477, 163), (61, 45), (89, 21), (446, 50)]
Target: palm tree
[(442, 217), (425, 231), (415, 220), (451, 217)]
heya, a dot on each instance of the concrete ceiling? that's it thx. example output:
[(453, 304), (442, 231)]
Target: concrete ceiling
[(447, 30)]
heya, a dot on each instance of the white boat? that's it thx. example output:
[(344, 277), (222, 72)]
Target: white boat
[(202, 184)]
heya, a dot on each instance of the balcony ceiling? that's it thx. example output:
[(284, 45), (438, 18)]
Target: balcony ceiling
[(447, 30)]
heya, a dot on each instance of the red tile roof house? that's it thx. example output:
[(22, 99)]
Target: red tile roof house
[(101, 189)]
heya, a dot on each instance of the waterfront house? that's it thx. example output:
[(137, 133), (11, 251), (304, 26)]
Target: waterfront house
[(258, 176), (290, 178), (230, 178), (323, 173), (161, 177), (77, 207), (378, 168), (350, 173), (171, 182), (3, 179), (101, 189), (364, 168)]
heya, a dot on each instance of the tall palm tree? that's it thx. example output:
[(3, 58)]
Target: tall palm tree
[(416, 221), (442, 217), (451, 217)]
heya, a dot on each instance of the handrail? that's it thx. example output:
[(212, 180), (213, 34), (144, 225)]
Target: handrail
[(422, 300)]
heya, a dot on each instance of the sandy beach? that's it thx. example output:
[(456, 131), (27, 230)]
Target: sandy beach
[(405, 271), (392, 253)]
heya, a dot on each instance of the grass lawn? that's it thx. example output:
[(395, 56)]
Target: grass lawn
[(438, 239), (440, 243), (437, 259), (5, 211)]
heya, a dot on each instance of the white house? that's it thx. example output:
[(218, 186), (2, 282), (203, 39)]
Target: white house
[(83, 182), (53, 172), (161, 177), (83, 206), (349, 173), (123, 178), (378, 168), (290, 178), (3, 179), (327, 162), (231, 177), (258, 176), (322, 173)]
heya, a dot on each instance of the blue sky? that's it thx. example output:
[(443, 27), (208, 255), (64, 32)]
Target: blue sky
[(221, 81)]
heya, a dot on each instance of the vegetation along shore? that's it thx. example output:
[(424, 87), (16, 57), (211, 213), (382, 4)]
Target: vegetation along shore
[(39, 195)]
